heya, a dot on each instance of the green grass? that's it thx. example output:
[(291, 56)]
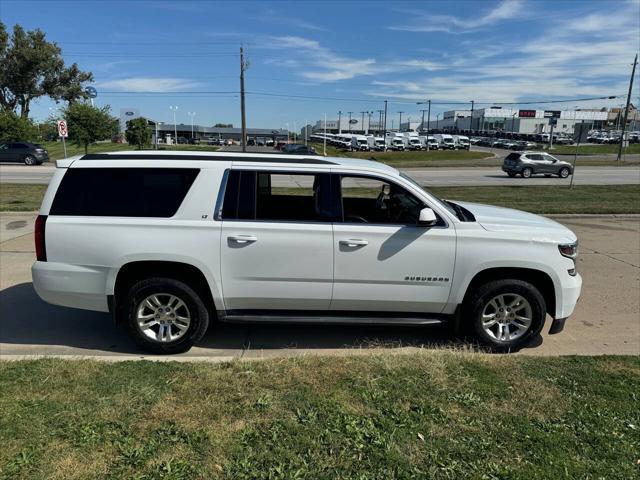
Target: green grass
[(56, 150), (436, 415), (590, 199), (602, 199), (21, 197), (594, 149)]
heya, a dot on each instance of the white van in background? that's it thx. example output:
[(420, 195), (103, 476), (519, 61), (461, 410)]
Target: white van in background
[(445, 141), (461, 142), (359, 143)]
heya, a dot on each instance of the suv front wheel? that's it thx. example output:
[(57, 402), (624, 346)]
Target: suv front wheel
[(165, 315), (506, 314)]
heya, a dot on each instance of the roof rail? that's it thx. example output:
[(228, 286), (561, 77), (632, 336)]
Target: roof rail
[(211, 158)]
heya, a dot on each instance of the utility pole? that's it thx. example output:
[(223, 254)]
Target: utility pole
[(400, 124), (339, 122), (349, 127), (422, 121), (369, 121), (385, 126), (243, 67), (626, 110), (471, 118)]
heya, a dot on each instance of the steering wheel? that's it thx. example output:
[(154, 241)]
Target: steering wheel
[(357, 218)]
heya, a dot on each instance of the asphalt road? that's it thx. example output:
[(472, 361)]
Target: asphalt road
[(481, 176), (606, 320)]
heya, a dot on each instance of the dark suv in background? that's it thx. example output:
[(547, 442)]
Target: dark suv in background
[(27, 153)]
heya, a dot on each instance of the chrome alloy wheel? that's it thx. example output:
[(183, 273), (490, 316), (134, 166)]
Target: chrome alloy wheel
[(163, 317), (507, 317)]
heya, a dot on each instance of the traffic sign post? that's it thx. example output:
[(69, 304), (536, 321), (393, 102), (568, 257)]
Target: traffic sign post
[(63, 133)]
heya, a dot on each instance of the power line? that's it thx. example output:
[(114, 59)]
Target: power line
[(344, 99)]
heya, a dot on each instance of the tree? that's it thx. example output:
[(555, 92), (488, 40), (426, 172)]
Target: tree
[(87, 124), (15, 128), (138, 132), (31, 67), (223, 125)]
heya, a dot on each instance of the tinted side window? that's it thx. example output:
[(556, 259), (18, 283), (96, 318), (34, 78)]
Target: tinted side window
[(123, 192), (369, 200), (259, 195)]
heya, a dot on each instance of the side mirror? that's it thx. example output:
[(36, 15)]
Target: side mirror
[(427, 217)]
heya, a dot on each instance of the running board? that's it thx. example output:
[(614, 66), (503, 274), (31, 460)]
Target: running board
[(331, 319)]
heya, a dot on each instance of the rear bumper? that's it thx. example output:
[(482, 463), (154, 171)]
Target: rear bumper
[(71, 285)]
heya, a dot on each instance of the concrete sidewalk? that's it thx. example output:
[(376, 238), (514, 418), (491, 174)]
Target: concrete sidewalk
[(606, 321)]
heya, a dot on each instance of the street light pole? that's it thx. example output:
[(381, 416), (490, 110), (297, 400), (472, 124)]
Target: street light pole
[(191, 114), (157, 123), (339, 122), (400, 123), (174, 109), (384, 137)]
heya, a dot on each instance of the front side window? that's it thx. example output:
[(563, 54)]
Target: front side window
[(370, 200), (278, 196)]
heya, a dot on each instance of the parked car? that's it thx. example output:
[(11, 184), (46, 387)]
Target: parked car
[(183, 140), (533, 163), (23, 152), (319, 250), (298, 149)]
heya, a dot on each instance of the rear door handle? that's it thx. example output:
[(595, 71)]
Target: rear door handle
[(354, 242), (243, 238)]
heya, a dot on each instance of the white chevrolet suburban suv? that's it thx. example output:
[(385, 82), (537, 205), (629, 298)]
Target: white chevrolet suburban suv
[(168, 242)]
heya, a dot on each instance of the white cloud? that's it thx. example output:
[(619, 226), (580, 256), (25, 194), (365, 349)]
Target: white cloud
[(505, 10), (149, 84)]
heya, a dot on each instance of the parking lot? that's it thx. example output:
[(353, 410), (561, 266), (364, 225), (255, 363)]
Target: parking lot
[(605, 321)]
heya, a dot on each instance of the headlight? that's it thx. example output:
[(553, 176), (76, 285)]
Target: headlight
[(569, 250)]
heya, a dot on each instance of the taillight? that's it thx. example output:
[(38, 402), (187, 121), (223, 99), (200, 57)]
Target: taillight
[(41, 249)]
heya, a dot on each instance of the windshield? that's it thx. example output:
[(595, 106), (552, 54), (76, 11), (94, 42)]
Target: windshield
[(440, 202)]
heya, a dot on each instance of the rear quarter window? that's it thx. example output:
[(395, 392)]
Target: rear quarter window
[(123, 192)]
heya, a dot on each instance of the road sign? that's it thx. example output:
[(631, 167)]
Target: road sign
[(62, 129), (91, 92), (581, 132)]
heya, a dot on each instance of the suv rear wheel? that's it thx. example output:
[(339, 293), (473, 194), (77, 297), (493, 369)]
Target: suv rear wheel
[(506, 314), (165, 315)]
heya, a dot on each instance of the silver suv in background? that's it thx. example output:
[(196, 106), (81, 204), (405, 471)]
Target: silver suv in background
[(534, 163)]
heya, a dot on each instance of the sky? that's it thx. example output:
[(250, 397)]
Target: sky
[(311, 58)]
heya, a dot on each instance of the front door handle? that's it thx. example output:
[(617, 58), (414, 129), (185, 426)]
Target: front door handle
[(354, 242), (243, 238)]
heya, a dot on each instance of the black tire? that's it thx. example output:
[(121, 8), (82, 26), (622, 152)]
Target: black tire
[(480, 299), (197, 310), (526, 172), (30, 160), (564, 172), (511, 174)]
